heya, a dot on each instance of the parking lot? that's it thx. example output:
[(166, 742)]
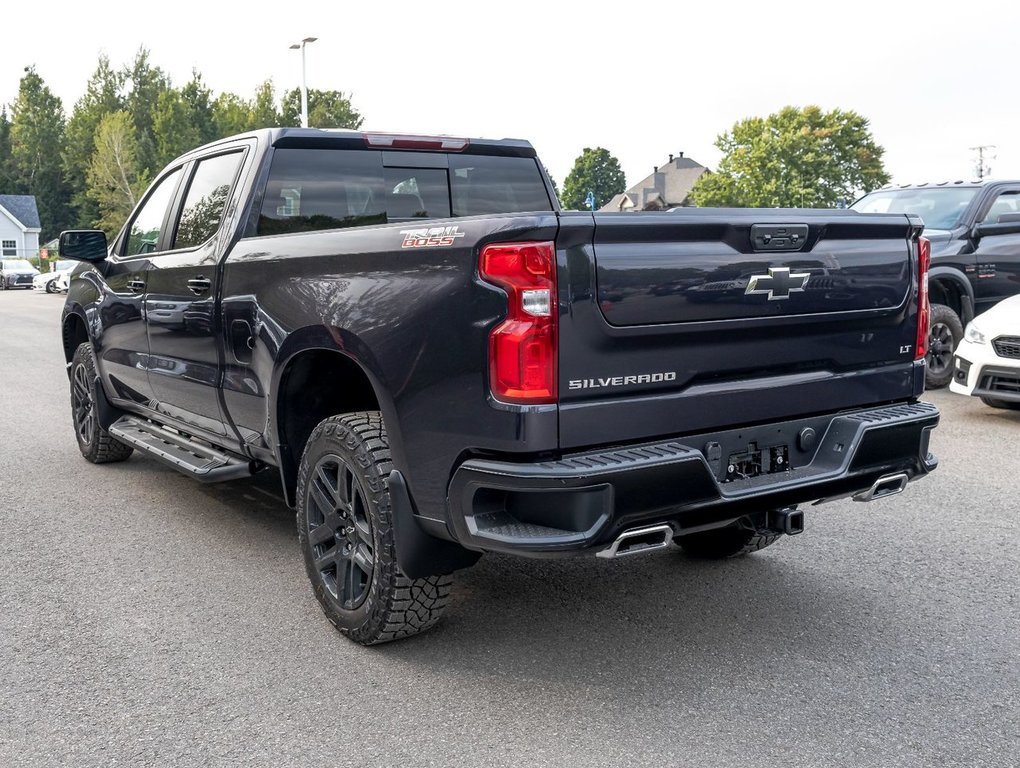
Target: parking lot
[(150, 620)]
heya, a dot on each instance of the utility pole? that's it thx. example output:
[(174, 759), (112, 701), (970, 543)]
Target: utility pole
[(982, 169), (304, 85)]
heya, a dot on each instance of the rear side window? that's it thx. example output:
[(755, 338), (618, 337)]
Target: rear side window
[(313, 189), (483, 184), (207, 197)]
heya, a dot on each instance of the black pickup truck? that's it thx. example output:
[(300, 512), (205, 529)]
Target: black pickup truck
[(439, 362), (974, 229)]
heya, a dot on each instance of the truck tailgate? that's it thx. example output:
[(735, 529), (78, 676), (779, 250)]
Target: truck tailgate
[(711, 318)]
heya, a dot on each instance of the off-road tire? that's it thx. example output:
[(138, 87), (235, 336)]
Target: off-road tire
[(387, 605), (991, 402), (945, 336), (732, 541), (95, 443)]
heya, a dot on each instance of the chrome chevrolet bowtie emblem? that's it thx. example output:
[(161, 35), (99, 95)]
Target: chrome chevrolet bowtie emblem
[(779, 283)]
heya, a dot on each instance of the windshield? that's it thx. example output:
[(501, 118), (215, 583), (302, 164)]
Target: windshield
[(18, 264), (60, 266), (939, 207)]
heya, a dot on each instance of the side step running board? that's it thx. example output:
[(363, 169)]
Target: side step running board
[(203, 462)]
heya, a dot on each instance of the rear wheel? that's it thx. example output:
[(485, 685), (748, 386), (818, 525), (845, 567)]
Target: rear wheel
[(95, 443), (946, 333), (345, 527), (733, 541)]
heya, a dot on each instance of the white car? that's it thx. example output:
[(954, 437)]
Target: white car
[(55, 281), (987, 362)]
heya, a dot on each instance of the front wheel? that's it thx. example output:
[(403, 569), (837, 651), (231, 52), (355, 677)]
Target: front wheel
[(345, 528), (95, 443), (732, 541), (51, 286), (946, 333)]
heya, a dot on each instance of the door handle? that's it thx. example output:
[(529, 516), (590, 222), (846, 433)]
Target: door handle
[(136, 285), (199, 284)]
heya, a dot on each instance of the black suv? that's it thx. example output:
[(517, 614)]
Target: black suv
[(974, 229)]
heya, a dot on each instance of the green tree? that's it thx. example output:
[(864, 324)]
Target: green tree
[(145, 83), (102, 96), (264, 113), (198, 99), (114, 179), (8, 175), (230, 114), (37, 143), (556, 187), (794, 158), (173, 128), (326, 109), (595, 170)]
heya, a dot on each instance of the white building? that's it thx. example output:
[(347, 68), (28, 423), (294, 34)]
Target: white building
[(19, 227)]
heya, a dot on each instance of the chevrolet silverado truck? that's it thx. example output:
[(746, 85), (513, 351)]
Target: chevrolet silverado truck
[(974, 229), (439, 362)]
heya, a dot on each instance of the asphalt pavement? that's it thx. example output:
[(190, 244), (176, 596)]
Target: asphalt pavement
[(146, 619)]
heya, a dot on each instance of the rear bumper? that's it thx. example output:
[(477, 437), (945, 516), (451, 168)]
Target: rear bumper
[(584, 500)]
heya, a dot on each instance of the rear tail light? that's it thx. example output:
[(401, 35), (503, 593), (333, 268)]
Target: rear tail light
[(923, 306), (522, 349)]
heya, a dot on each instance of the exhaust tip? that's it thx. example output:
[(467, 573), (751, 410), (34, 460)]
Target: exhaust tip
[(887, 485), (637, 541)]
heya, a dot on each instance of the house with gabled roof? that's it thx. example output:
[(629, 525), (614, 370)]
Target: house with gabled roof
[(667, 187), (19, 226)]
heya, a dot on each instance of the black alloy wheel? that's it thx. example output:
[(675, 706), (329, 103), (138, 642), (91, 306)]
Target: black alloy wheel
[(940, 349), (340, 532), (95, 443), (943, 337), (346, 532), (82, 406)]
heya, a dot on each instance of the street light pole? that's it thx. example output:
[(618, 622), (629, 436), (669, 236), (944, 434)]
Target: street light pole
[(304, 82)]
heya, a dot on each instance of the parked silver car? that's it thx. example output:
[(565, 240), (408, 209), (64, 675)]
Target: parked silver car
[(16, 273)]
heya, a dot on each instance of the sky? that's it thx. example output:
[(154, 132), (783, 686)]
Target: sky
[(641, 79)]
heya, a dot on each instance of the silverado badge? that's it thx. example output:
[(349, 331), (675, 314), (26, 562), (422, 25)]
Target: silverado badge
[(779, 283)]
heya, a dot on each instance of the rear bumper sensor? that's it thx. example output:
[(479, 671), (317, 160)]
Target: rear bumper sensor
[(587, 500), (194, 458)]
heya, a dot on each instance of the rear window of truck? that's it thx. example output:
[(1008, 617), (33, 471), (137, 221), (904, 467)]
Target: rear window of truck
[(313, 189)]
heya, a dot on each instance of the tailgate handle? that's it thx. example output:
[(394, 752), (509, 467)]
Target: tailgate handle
[(778, 237)]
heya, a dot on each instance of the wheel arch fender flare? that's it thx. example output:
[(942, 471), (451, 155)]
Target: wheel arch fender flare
[(73, 317), (350, 347), (946, 274)]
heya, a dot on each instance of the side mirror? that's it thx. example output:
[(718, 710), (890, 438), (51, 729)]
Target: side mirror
[(83, 245), (1006, 224)]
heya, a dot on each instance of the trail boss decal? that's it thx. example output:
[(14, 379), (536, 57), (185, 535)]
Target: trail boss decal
[(430, 237), (622, 381)]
